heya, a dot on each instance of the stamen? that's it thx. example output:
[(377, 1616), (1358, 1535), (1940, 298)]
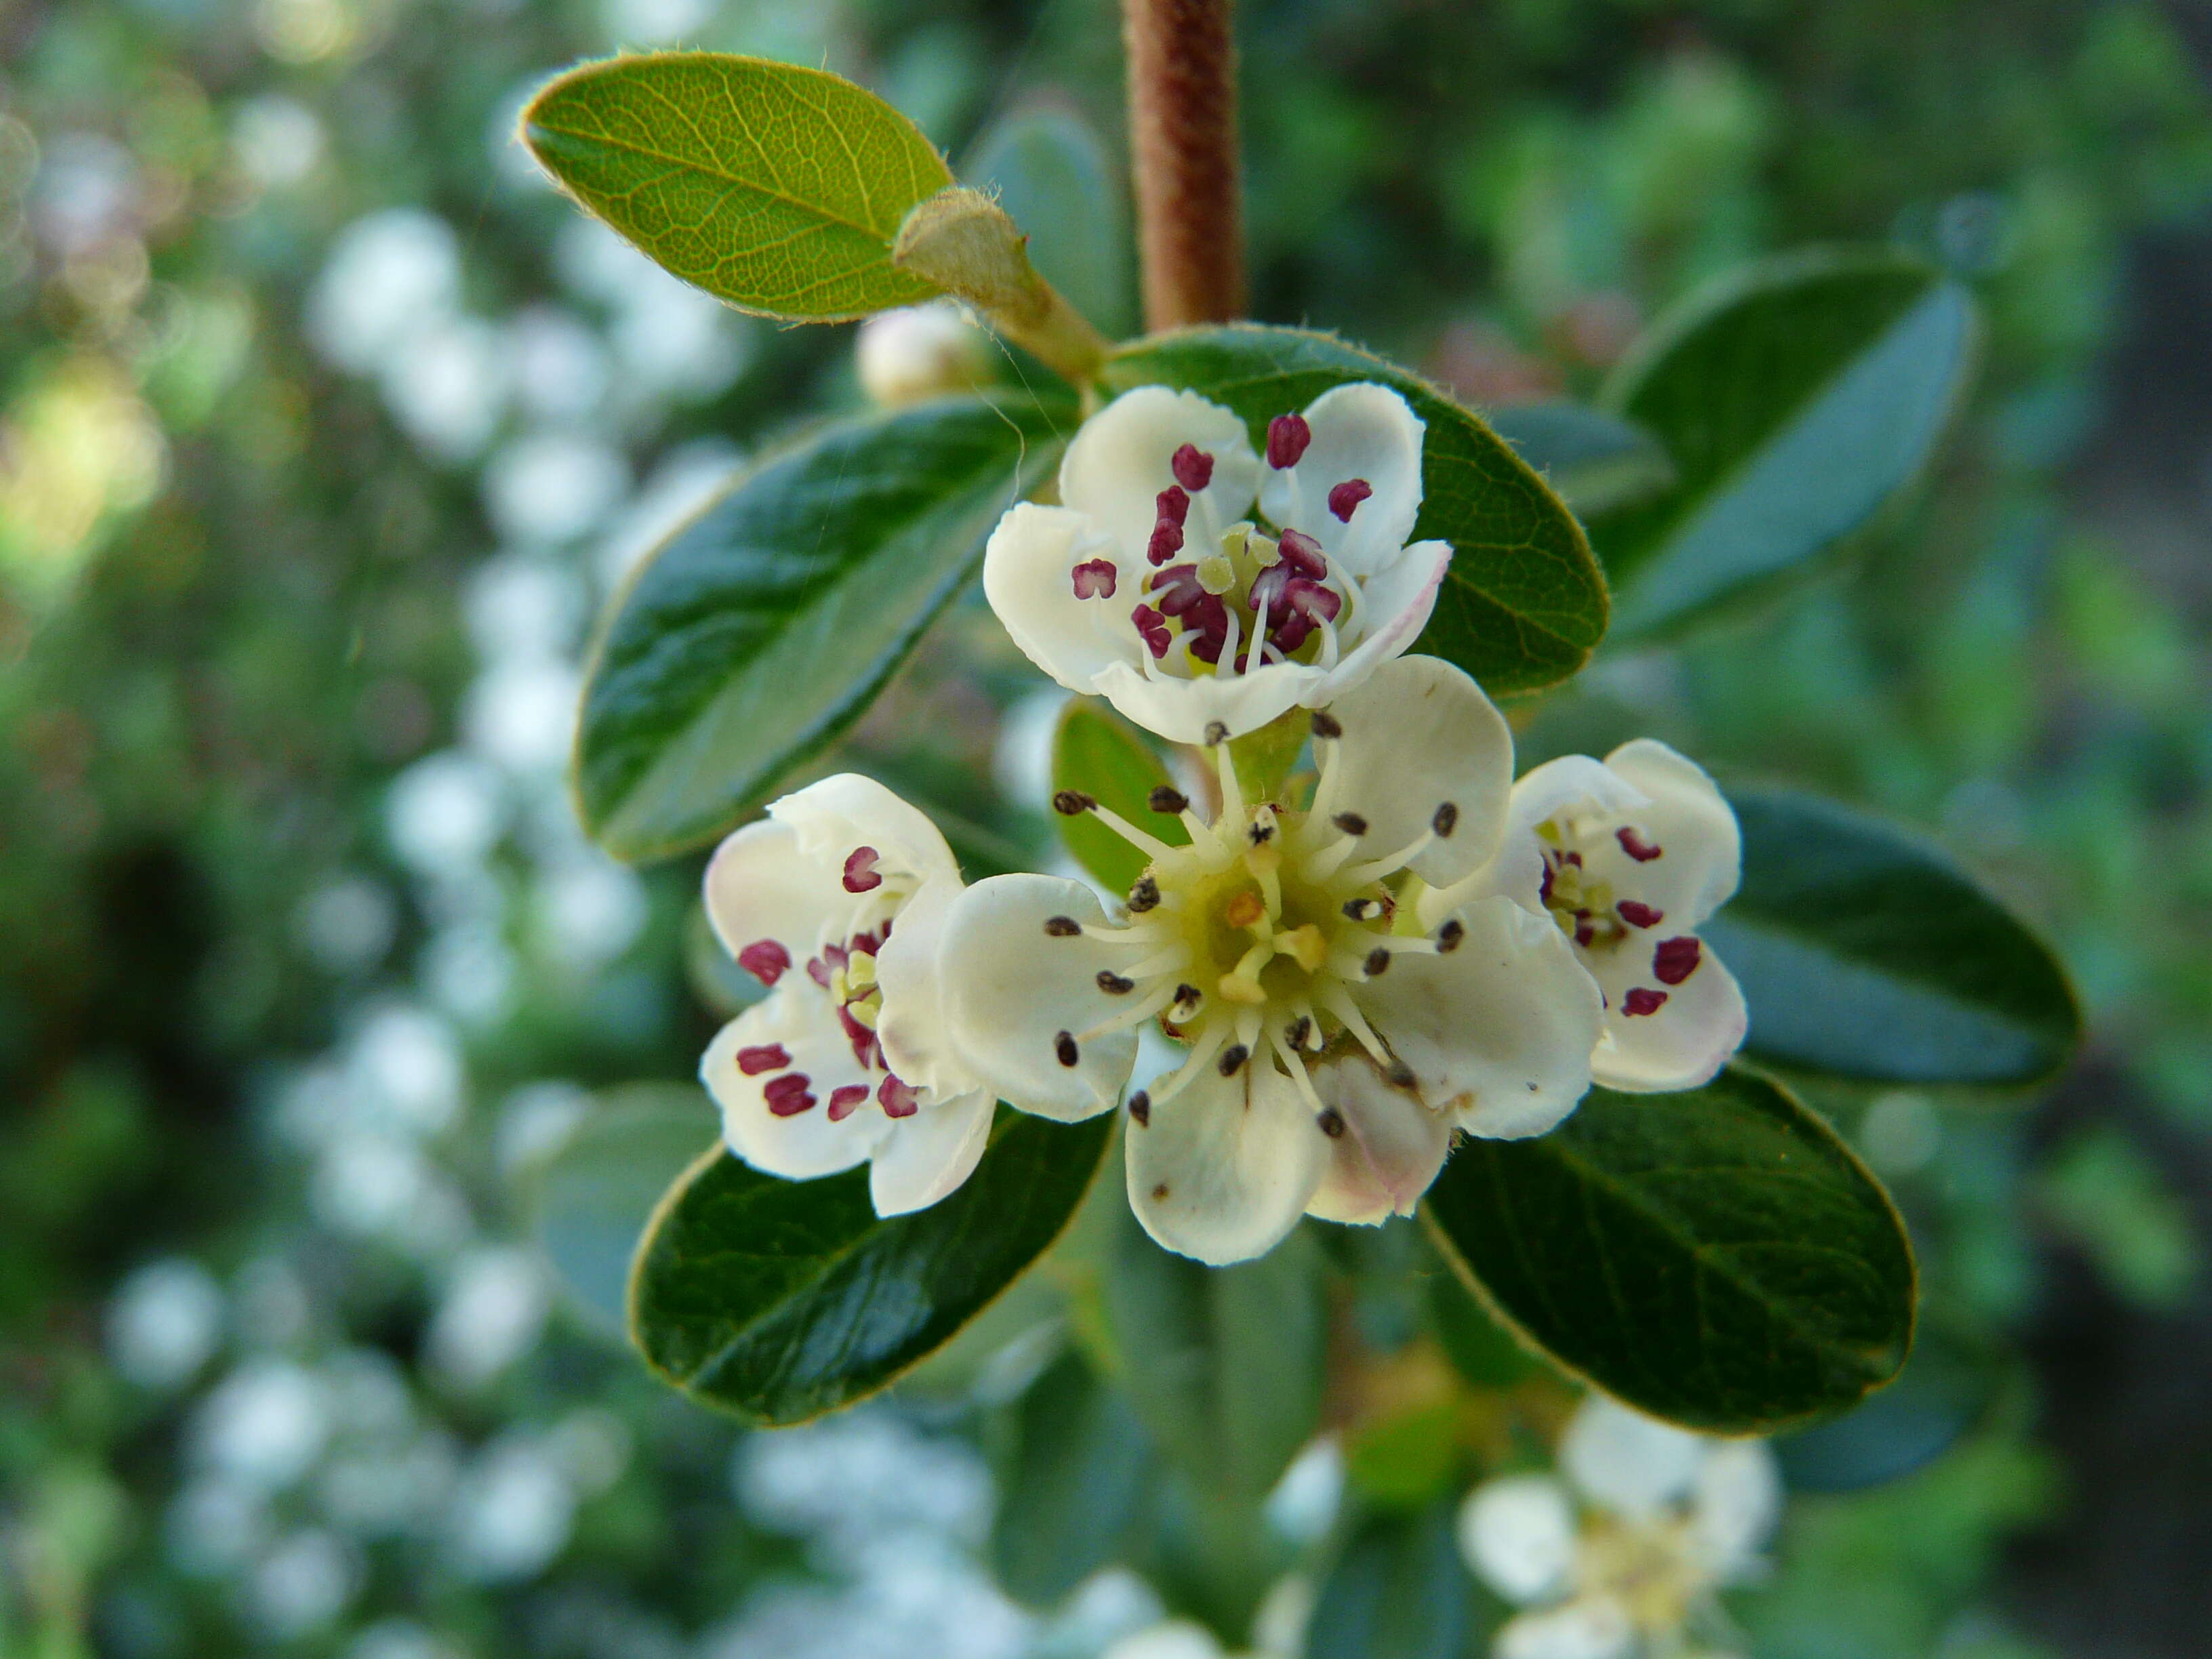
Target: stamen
[(1232, 1058), (896, 1098), (1331, 1122), (765, 960), (1378, 959), (1202, 1053), (1062, 927), (1449, 935), (1642, 1000), (1094, 578), (1063, 1048), (1143, 840), (1192, 466), (1337, 1000), (1635, 845), (1113, 984), (1287, 438), (1073, 803), (1348, 496), (1351, 823), (845, 1099), (1637, 913), (787, 1095), (1216, 732), (1140, 1108), (1165, 797), (1362, 909), (763, 1057), (1145, 895), (861, 875), (1167, 539), (1676, 959), (1172, 504), (1359, 875), (1295, 1032), (1152, 628), (1446, 820), (1326, 726), (1135, 1014)]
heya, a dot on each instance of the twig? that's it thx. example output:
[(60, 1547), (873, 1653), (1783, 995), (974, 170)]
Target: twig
[(1182, 139)]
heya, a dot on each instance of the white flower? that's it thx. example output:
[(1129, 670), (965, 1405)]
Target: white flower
[(1623, 1554), (919, 352), (1334, 1040), (805, 900), (1151, 586), (1629, 856)]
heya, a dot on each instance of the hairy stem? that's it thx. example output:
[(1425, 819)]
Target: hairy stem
[(1182, 139)]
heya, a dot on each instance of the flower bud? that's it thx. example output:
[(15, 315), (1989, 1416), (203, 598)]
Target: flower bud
[(919, 352)]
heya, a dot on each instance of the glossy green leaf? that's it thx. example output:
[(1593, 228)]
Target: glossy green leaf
[(1222, 1365), (1794, 401), (1073, 1470), (774, 187), (1865, 953), (1524, 603), (1397, 1591), (594, 1196), (1099, 755), (761, 628), (1717, 1258), (1594, 461), (779, 1300), (1050, 171)]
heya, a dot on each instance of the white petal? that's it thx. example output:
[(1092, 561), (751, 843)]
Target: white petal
[(1364, 432), (1223, 1171), (1737, 1502), (1011, 991), (1500, 1030), (1589, 1627), (1122, 459), (763, 890), (1576, 785), (797, 1017), (1180, 710), (1176, 1638), (1517, 1534), (1396, 602), (923, 1158), (1634, 1465), (1690, 819), (1687, 1040), (911, 1026), (1419, 734), (1391, 1148), (847, 810), (1029, 568)]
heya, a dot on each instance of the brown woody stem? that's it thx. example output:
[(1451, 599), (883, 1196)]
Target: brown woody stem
[(1182, 140)]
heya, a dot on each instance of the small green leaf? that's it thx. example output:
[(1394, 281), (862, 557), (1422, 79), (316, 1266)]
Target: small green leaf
[(1717, 1258), (1222, 1365), (780, 1300), (594, 1196), (761, 629), (1865, 953), (1097, 754), (1524, 604), (1794, 400), (1050, 171), (774, 187), (1073, 1473), (1397, 1591), (1593, 460)]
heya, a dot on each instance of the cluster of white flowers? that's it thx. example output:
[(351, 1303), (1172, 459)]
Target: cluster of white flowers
[(1401, 944)]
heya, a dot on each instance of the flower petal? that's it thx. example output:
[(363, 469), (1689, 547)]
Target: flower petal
[(1362, 432), (1588, 1627), (1420, 736), (846, 811), (1029, 567), (1395, 604), (1634, 1465), (1684, 1040), (1181, 710), (1013, 992), (1690, 818), (917, 1043), (795, 1019), (1517, 1534), (1737, 1502), (763, 890), (1221, 1172), (1391, 1148), (1124, 456), (924, 1157), (1500, 1030)]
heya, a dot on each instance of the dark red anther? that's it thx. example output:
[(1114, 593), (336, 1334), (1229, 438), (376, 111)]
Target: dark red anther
[(1544, 890), (1287, 438), (1172, 505), (1643, 1000), (896, 1098), (1206, 623), (1348, 495), (763, 1057), (1177, 589), (1676, 959), (1302, 553), (1153, 630), (1094, 578), (765, 960), (1193, 467), (845, 1099), (1635, 845), (1636, 914), (860, 873), (1166, 541), (787, 1095), (1305, 604)]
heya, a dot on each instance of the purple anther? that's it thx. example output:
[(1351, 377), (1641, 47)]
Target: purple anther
[(1208, 624), (1153, 628), (1166, 541), (1303, 553), (763, 1057), (1193, 467), (860, 873), (844, 1098), (1172, 505), (1177, 589), (1676, 959), (1348, 496), (1287, 438), (1643, 1000), (1635, 845), (1636, 914), (765, 960), (1095, 578), (787, 1095), (896, 1098)]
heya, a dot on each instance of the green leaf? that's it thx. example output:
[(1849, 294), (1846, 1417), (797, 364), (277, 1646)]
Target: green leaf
[(1524, 603), (1397, 1591), (780, 1300), (1480, 1349), (1865, 953), (1945, 1389), (1097, 754), (1593, 460), (761, 629), (1717, 1258), (1794, 400), (593, 1196), (1073, 1473), (1222, 1365), (776, 188), (1051, 173)]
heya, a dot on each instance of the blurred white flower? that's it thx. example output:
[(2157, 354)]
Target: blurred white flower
[(213, 1526), (592, 909), (536, 1119), (408, 1065), (164, 1322), (673, 340), (686, 479), (523, 715), (560, 369), (445, 813), (277, 140), (512, 1513), (1021, 760), (922, 1599), (591, 1446), (387, 276), (918, 352), (263, 1426), (85, 192), (401, 1638), (368, 1184), (446, 381), (302, 1584), (269, 1304), (654, 22), (348, 924), (854, 1482), (1304, 1504), (552, 486), (468, 970), (522, 608), (493, 1308), (381, 1491)]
